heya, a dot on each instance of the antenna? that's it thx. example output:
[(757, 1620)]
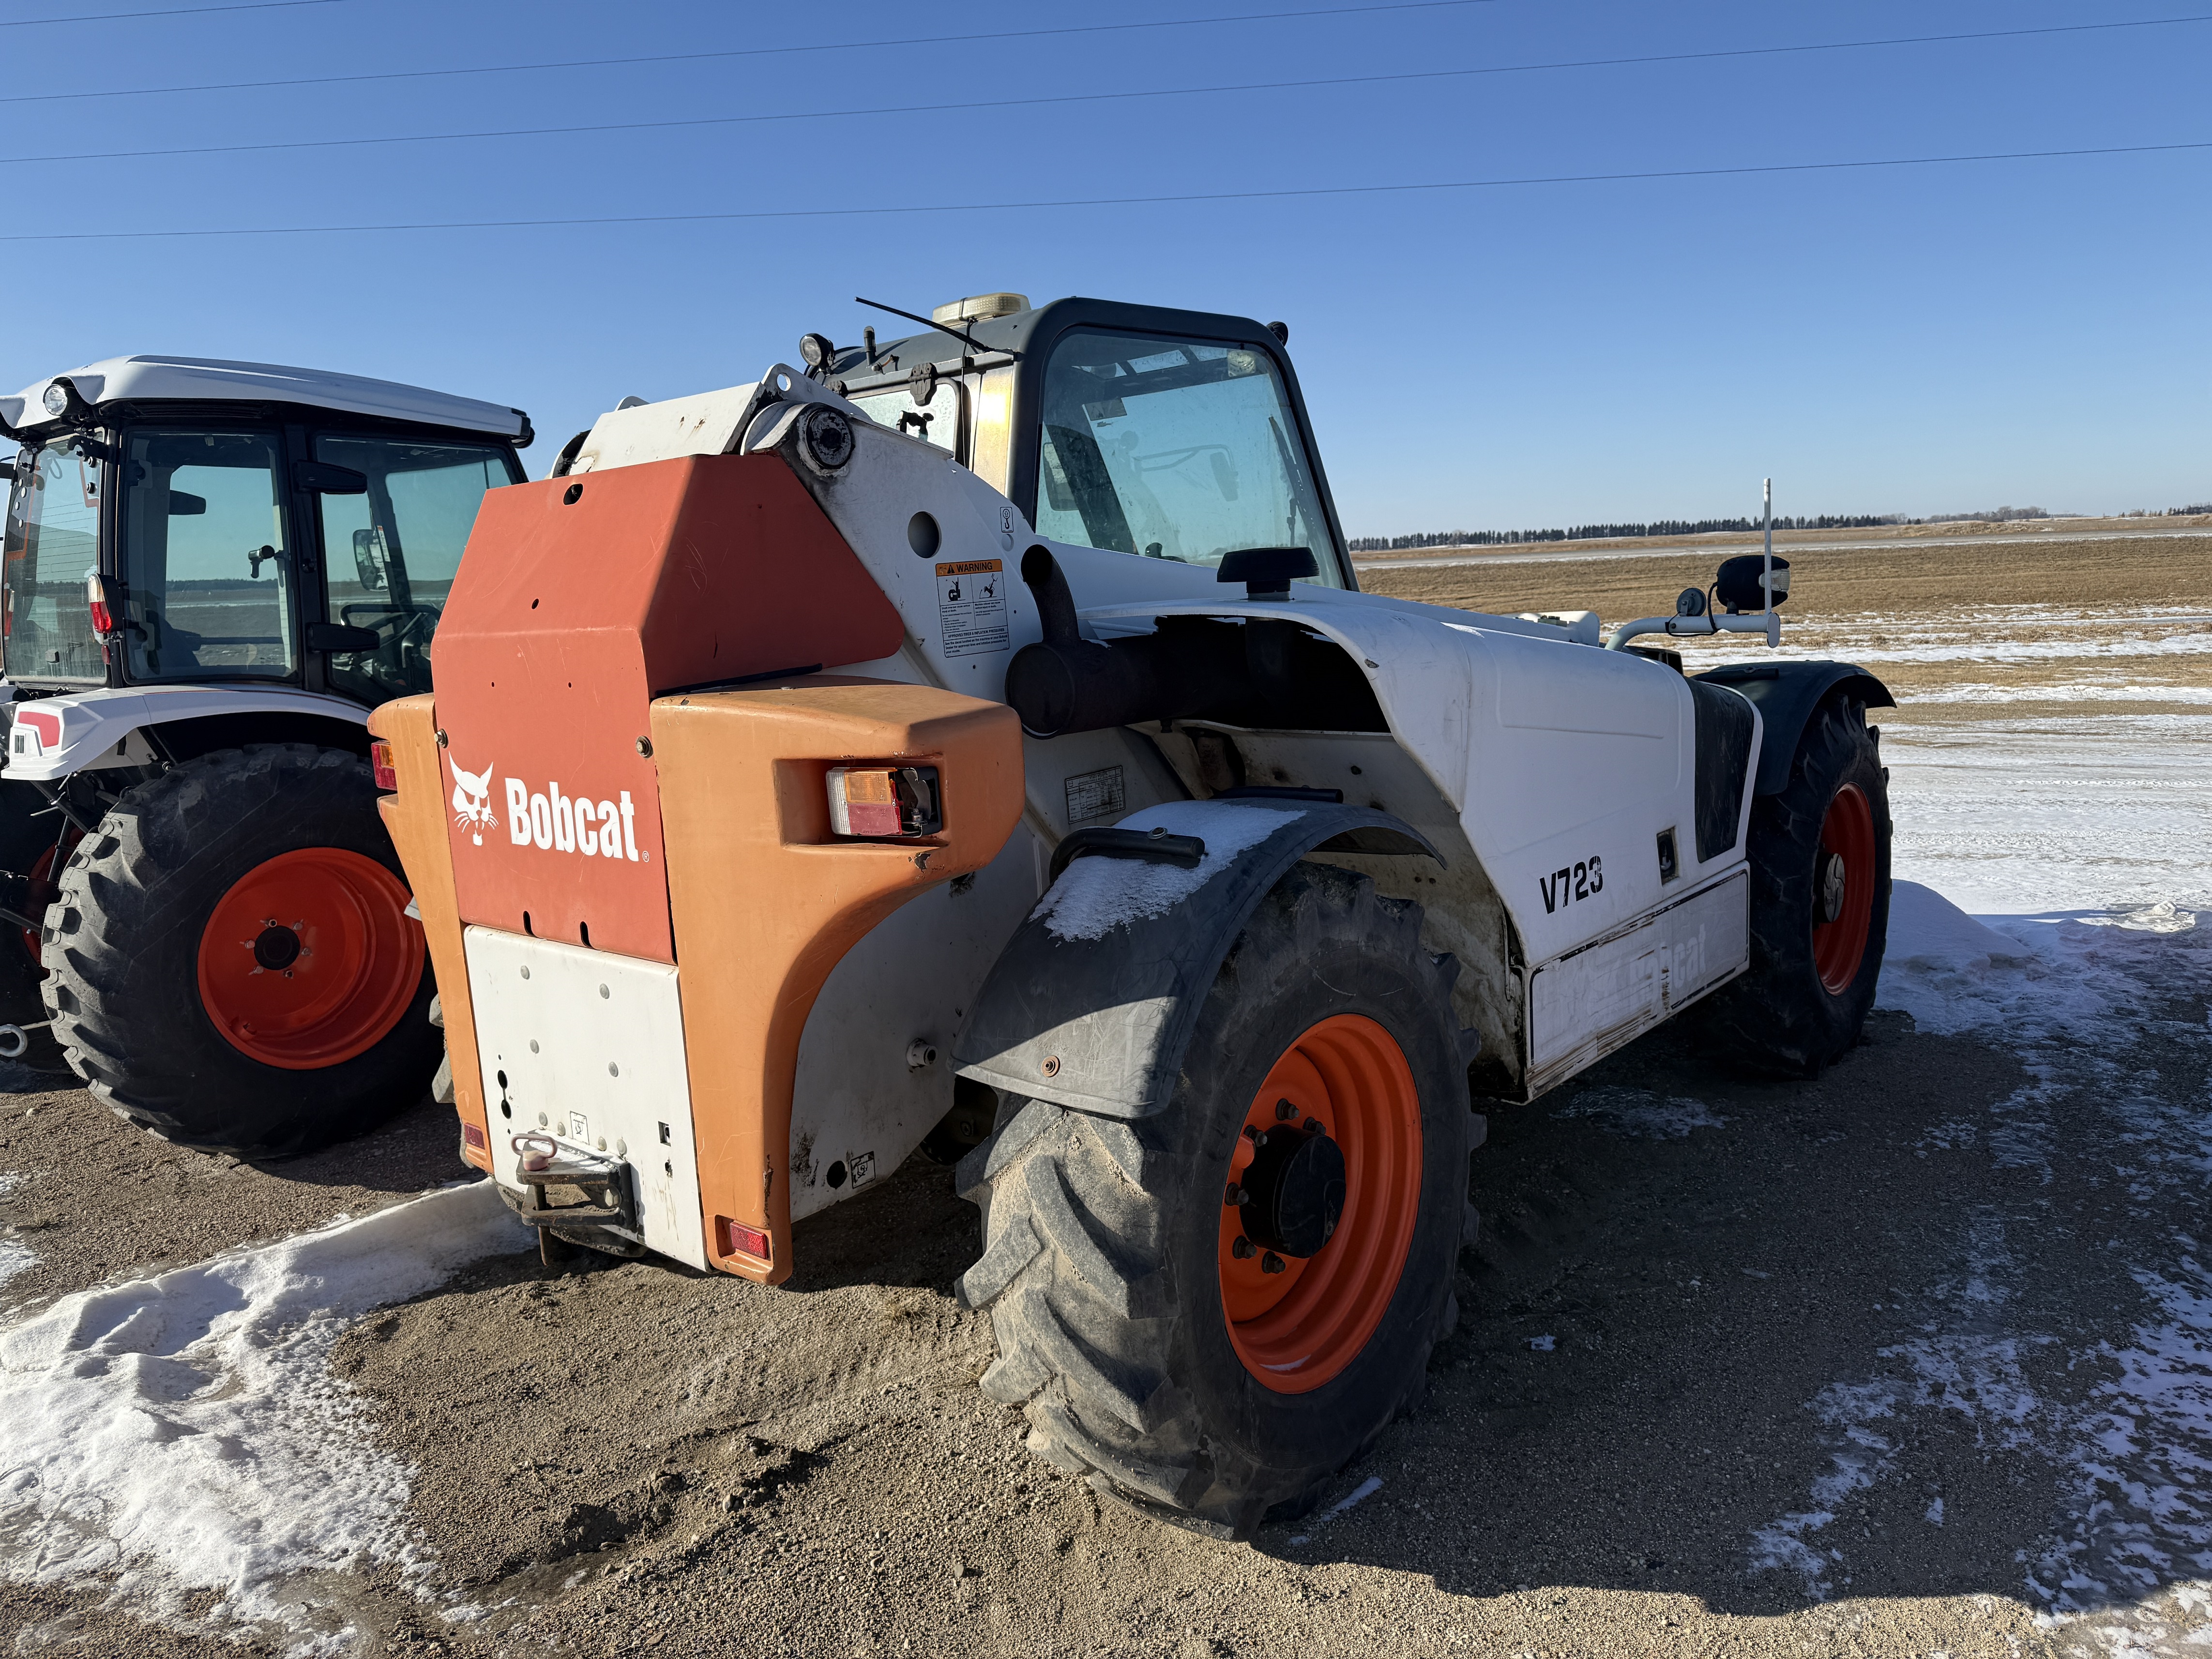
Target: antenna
[(1766, 574)]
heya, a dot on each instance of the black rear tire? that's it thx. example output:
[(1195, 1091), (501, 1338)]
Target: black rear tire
[(1103, 1238), (122, 954), (1780, 1018)]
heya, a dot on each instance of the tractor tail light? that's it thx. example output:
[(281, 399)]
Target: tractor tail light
[(380, 762), (95, 593), (890, 801), (735, 1238)]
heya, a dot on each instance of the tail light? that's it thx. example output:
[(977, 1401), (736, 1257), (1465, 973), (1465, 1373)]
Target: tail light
[(95, 594), (380, 762), (898, 801), (735, 1238)]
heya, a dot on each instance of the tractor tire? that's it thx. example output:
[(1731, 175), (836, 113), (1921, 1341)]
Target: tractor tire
[(1159, 1353), (1819, 907), (229, 963)]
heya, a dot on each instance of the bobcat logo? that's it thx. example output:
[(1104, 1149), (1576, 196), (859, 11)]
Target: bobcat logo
[(472, 800)]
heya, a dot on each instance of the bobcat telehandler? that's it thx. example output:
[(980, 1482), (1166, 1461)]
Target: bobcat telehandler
[(979, 740), (213, 572)]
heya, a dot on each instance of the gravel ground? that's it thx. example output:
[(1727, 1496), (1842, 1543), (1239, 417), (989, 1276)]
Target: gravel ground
[(625, 1457)]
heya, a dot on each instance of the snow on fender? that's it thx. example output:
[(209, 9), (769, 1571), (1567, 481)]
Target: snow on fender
[(1092, 1002)]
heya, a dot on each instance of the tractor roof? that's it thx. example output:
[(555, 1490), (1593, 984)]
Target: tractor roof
[(207, 380), (1018, 331)]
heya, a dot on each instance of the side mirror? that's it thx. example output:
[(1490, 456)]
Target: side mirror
[(1741, 583), (185, 505), (368, 559), (1224, 474), (322, 478), (1690, 602)]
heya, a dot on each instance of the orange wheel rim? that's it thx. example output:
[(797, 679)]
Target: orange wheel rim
[(310, 959), (1843, 889), (1297, 1322)]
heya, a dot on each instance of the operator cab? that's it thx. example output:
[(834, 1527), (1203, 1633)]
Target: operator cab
[(182, 520), (1166, 435)]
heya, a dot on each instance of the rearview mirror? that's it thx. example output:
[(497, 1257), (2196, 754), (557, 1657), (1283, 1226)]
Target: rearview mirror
[(185, 505), (368, 559)]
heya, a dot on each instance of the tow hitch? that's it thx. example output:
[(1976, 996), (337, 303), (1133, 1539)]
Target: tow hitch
[(604, 1204)]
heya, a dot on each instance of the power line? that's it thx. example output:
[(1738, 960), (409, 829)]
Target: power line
[(1089, 97), (170, 11), (703, 56), (1108, 200)]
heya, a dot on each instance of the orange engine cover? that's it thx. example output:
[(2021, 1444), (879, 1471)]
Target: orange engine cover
[(581, 600)]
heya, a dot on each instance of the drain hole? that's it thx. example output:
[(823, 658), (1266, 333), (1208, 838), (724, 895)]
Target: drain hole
[(835, 1174), (585, 929), (526, 928)]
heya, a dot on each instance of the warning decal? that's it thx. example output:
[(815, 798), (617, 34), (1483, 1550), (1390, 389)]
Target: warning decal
[(971, 606)]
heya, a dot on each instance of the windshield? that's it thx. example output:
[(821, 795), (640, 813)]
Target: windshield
[(1174, 449), (206, 564), (52, 545), (393, 550)]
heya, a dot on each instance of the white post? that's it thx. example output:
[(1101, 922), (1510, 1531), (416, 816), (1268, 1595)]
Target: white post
[(1766, 576)]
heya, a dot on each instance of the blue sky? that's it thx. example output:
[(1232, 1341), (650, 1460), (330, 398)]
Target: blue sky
[(1910, 339)]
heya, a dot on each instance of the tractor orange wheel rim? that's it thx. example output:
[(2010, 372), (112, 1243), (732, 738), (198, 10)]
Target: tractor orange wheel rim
[(1843, 918), (1297, 1322), (310, 959)]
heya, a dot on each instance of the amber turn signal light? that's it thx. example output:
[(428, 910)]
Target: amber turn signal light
[(891, 801), (380, 762)]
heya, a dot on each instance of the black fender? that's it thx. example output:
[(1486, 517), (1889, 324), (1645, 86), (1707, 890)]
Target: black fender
[(1786, 694), (1092, 1002)]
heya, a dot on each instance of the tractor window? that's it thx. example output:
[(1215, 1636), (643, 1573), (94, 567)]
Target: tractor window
[(938, 419), (52, 545), (392, 553), (1174, 449), (206, 558)]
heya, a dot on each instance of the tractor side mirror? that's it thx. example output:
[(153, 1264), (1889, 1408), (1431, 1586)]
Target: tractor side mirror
[(1690, 602), (1741, 585), (185, 505), (1224, 474), (368, 560)]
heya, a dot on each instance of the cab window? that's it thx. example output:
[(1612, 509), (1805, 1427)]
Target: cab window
[(1174, 449), (206, 562), (393, 551)]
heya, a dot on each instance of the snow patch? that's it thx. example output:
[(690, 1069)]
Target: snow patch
[(1640, 1114), (1097, 894), (15, 1256), (185, 1432)]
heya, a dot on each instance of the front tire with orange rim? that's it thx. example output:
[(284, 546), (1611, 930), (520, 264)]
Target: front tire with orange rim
[(1209, 1313), (230, 962), (1819, 906)]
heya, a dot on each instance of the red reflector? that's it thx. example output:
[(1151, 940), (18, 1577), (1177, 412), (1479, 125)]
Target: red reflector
[(473, 1136), (735, 1238), (95, 593), (380, 762), (47, 726)]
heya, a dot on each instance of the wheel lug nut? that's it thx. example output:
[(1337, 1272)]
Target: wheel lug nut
[(1234, 1196), (1243, 1249), (1284, 1111), (1271, 1263), (1313, 1126)]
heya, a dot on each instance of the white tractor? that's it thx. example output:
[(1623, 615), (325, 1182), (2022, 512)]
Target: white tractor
[(979, 740), (213, 572)]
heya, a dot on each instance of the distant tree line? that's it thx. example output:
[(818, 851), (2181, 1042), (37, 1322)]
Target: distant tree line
[(1591, 532)]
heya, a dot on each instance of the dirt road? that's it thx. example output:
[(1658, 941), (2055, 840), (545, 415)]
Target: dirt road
[(1914, 1359)]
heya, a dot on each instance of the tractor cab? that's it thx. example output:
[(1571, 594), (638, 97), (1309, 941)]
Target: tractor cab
[(176, 522), (1168, 435)]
